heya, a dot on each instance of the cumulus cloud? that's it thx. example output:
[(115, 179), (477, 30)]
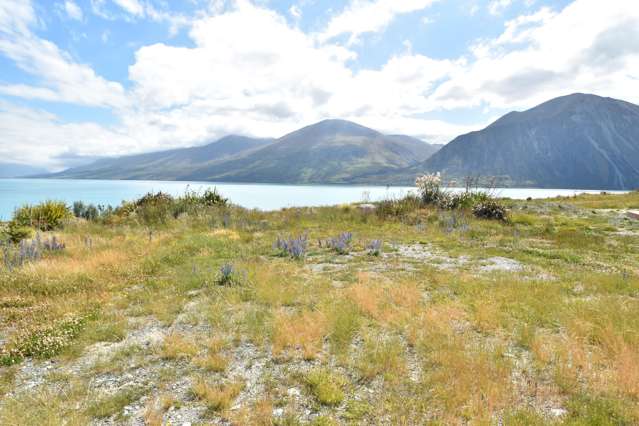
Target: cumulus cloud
[(365, 16), (33, 136), (73, 10), (62, 79), (275, 78), (134, 7), (587, 47)]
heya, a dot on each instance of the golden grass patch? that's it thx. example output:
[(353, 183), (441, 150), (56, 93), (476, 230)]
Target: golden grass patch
[(305, 331)]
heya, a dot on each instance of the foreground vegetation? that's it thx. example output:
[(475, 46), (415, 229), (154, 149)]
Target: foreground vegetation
[(417, 311)]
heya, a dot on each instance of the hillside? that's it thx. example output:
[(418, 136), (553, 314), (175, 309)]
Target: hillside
[(576, 141), (165, 165), (13, 170), (332, 151)]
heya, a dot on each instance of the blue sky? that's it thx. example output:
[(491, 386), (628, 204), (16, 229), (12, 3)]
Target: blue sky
[(87, 78)]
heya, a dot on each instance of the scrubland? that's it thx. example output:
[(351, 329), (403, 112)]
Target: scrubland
[(201, 319)]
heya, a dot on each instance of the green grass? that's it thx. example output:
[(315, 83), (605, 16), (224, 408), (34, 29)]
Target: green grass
[(341, 339)]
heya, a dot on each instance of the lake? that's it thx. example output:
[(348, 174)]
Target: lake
[(16, 192)]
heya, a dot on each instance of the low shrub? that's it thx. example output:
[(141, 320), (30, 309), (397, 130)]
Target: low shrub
[(398, 207), (28, 251), (490, 209), (342, 243), (157, 207), (229, 276), (327, 387), (44, 216), (16, 233), (42, 343), (374, 247), (291, 246), (91, 212)]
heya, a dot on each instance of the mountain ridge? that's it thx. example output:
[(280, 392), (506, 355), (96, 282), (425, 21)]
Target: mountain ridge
[(575, 141), (330, 151)]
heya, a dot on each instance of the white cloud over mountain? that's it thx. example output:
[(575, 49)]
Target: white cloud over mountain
[(276, 77)]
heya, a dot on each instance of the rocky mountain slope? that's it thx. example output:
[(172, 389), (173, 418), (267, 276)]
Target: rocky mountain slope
[(575, 141)]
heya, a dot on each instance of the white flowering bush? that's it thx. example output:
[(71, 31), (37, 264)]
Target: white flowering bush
[(429, 187)]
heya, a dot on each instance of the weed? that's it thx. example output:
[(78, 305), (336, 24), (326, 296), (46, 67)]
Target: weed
[(326, 387), (216, 397), (293, 247)]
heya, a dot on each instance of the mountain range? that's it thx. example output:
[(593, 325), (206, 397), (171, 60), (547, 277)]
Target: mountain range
[(15, 170), (576, 141), (331, 151)]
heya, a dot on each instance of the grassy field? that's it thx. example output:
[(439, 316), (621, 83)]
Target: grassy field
[(456, 321)]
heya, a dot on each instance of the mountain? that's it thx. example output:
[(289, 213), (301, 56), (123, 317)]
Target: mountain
[(13, 170), (575, 141), (165, 165), (331, 151)]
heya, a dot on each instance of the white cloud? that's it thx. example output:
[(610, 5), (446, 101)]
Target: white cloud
[(364, 16), (295, 11), (73, 10), (495, 7), (61, 77), (276, 78), (589, 46), (134, 7), (37, 137)]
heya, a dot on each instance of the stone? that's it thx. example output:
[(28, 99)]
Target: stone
[(294, 392), (367, 207), (558, 412), (633, 214)]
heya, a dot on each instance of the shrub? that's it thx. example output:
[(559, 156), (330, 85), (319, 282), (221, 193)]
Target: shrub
[(90, 212), (490, 209), (28, 251), (43, 343), (17, 233), (228, 275), (429, 188), (342, 243), (375, 247), (293, 247), (327, 387), (398, 207), (44, 216)]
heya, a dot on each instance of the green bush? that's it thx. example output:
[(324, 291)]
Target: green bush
[(16, 233), (44, 216), (398, 207), (157, 208), (490, 209)]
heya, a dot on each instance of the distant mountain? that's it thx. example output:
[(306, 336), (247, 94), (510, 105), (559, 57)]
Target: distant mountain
[(576, 141), (331, 151), (13, 170), (166, 165)]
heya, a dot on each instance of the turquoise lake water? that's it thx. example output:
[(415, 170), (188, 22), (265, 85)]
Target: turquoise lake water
[(16, 192)]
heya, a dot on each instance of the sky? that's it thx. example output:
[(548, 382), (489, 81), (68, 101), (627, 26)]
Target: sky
[(82, 79)]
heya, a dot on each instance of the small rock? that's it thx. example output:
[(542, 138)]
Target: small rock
[(558, 412), (367, 207), (633, 214), (294, 392), (278, 412)]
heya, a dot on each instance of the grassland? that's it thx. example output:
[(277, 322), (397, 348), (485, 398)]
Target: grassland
[(456, 321)]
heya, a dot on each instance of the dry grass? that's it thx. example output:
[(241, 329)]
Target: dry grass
[(216, 397), (304, 331), (176, 346)]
